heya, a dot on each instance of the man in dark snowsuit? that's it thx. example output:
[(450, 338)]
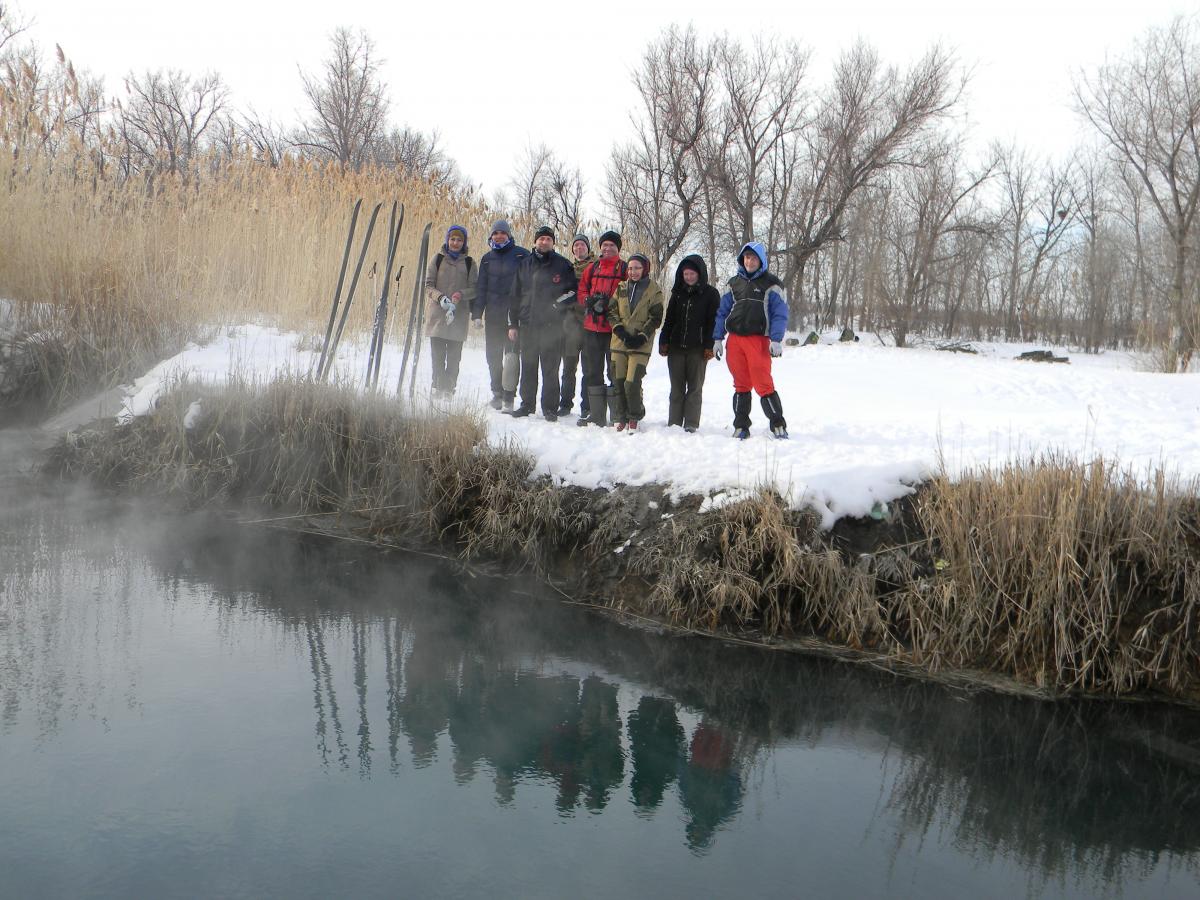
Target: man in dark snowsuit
[(493, 298), (754, 314), (543, 292)]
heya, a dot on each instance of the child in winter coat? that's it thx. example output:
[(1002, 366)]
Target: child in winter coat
[(754, 314), (449, 290), (687, 340), (635, 314)]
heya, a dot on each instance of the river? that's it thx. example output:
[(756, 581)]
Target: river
[(190, 708)]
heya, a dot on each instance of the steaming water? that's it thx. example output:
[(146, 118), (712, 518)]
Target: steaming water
[(188, 709)]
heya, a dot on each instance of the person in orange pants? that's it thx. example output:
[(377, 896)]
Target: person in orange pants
[(751, 322)]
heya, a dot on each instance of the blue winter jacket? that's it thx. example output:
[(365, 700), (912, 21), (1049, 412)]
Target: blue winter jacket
[(763, 285), (497, 270)]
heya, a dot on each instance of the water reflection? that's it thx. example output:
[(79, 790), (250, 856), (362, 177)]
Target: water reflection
[(413, 665)]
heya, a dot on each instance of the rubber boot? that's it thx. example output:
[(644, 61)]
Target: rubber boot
[(616, 406), (598, 405)]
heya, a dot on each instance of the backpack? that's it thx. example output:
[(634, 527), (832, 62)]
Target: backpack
[(437, 264)]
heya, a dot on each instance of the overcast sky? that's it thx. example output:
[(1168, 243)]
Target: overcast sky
[(492, 78)]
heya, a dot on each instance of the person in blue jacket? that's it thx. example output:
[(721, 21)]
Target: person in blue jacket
[(751, 322), (493, 298)]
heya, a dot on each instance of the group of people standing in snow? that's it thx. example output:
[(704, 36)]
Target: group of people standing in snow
[(546, 317)]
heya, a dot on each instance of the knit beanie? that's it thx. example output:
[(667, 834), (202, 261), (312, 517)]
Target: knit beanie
[(610, 236)]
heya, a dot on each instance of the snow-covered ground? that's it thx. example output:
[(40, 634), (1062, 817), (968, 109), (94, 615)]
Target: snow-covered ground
[(866, 421)]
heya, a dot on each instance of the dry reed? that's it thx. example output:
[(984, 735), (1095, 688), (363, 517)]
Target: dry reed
[(1067, 576)]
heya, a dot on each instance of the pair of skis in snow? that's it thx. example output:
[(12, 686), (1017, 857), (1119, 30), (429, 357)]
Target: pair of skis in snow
[(416, 313)]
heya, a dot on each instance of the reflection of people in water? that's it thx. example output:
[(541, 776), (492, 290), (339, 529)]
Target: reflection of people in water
[(656, 743), (582, 752), (709, 786)]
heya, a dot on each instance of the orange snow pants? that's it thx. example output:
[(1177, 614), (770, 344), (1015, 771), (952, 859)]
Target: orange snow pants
[(749, 360)]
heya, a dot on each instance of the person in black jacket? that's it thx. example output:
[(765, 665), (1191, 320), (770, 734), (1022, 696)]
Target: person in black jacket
[(493, 298), (687, 340), (543, 292)]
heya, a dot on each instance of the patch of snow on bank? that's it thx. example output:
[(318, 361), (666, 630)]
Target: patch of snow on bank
[(866, 421)]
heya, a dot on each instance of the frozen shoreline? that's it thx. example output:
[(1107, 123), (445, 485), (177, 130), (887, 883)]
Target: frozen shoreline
[(867, 422)]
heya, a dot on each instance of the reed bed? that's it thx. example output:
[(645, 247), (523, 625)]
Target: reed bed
[(1068, 577), (122, 271)]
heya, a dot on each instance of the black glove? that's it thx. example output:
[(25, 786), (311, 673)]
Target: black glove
[(634, 341), (621, 333)]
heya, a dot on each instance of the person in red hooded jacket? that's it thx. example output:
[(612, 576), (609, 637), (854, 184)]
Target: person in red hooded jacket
[(597, 288)]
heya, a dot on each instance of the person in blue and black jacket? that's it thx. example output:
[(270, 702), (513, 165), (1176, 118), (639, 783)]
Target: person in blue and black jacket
[(754, 314), (493, 298)]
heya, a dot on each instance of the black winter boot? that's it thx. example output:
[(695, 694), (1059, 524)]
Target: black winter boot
[(741, 411), (773, 407), (597, 405)]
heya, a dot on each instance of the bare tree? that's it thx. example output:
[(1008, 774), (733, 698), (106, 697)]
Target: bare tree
[(1147, 108), (928, 205), (1036, 210), (547, 190), (164, 119), (655, 180), (267, 140), (348, 102), (868, 123), (417, 154), (763, 99)]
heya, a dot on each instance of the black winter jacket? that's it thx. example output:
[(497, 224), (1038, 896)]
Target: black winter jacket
[(541, 280), (692, 311), (494, 288)]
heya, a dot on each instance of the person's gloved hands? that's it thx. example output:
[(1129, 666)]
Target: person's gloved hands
[(718, 349), (664, 349), (621, 333), (708, 354), (634, 341), (776, 348)]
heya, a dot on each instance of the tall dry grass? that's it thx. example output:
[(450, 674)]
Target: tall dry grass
[(121, 271)]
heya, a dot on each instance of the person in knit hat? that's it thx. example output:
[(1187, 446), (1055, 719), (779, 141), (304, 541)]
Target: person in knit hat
[(493, 299), (582, 257), (543, 290), (597, 286), (636, 313), (449, 290)]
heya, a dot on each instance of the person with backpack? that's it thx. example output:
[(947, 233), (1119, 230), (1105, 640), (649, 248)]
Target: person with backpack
[(687, 340), (635, 314), (493, 298), (581, 249), (449, 290), (754, 314), (543, 291), (597, 287)]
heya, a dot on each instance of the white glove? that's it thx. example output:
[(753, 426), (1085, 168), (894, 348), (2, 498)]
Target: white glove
[(776, 348), (448, 305), (719, 349)]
